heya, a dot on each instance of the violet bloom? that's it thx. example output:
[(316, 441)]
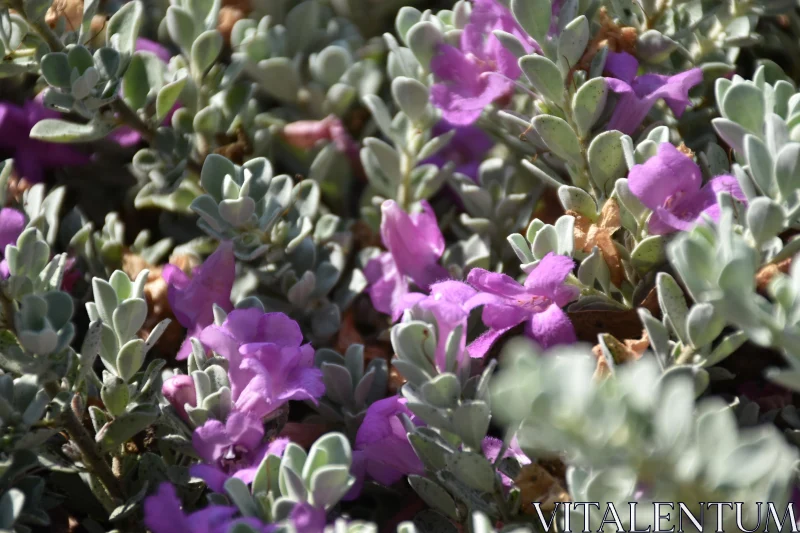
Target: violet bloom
[(268, 362), (538, 303), (307, 519), (12, 223), (555, 11), (179, 390), (481, 70), (491, 449), (414, 243), (192, 299), (146, 45), (446, 306), (163, 514), (31, 156), (382, 450), (671, 184), (638, 94), (234, 448), (466, 149)]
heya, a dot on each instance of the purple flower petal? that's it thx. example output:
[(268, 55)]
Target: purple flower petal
[(415, 242), (623, 66), (179, 390), (387, 286), (481, 346), (638, 94), (146, 45), (494, 283), (192, 300), (210, 440), (551, 327), (213, 477), (547, 279), (384, 446), (12, 223), (163, 514), (669, 173), (31, 156)]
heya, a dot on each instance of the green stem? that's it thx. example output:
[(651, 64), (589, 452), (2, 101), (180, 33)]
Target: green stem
[(39, 26), (406, 167), (92, 458)]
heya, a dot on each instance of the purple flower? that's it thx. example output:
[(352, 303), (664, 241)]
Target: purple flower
[(466, 149), (538, 303), (491, 449), (192, 300), (12, 223), (268, 364), (446, 306), (234, 448), (555, 11), (179, 390), (382, 450), (146, 45), (671, 185), (307, 519), (466, 84), (31, 156), (415, 244), (163, 514), (638, 94)]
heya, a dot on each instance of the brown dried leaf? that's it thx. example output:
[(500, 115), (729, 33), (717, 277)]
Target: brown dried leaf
[(72, 10), (588, 235), (630, 350), (538, 485), (16, 188), (685, 150), (155, 293), (768, 272), (616, 38)]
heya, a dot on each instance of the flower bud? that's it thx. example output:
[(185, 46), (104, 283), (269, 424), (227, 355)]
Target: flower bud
[(307, 133), (179, 390)]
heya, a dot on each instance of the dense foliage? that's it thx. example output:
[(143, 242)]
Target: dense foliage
[(349, 266)]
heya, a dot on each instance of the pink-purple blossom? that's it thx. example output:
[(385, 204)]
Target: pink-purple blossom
[(446, 307), (192, 299), (160, 51), (537, 304), (491, 447), (638, 94), (414, 243), (163, 514), (33, 157), (466, 149), (233, 448), (268, 364), (671, 185), (179, 390), (480, 70), (382, 451), (307, 519), (12, 223)]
